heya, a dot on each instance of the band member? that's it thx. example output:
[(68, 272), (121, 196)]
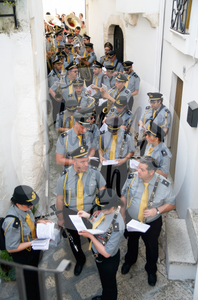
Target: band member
[(104, 60), (114, 61), (65, 119)]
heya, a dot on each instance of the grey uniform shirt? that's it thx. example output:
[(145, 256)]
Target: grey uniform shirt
[(57, 43), (106, 140), (164, 194), (127, 117), (113, 243), (115, 93), (84, 100), (91, 59), (69, 57), (134, 82), (118, 64), (163, 118), (112, 81), (92, 179), (162, 155), (104, 60), (98, 80), (69, 90), (48, 45), (13, 235), (83, 51), (53, 77), (63, 119), (96, 135)]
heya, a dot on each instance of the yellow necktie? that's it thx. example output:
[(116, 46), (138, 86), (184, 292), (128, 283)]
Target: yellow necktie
[(79, 98), (68, 60), (150, 151), (74, 56), (127, 82), (80, 140), (79, 202), (31, 225), (113, 146), (154, 113), (71, 121), (112, 63), (63, 69), (144, 200), (70, 87), (96, 83), (95, 225)]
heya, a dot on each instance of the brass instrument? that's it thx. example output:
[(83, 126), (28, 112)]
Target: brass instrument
[(72, 22), (105, 111), (52, 49), (85, 72)]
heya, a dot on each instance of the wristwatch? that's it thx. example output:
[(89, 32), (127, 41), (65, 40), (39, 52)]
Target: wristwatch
[(158, 213)]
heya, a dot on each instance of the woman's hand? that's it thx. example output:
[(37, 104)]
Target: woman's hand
[(86, 234)]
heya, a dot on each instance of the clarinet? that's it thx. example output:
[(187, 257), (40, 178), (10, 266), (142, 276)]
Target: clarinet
[(47, 215)]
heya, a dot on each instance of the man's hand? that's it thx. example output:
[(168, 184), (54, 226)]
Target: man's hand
[(104, 94), (120, 162), (60, 223), (150, 212)]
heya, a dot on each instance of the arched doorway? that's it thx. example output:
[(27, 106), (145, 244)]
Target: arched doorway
[(118, 42)]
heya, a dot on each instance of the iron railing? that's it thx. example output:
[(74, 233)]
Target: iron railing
[(179, 15), (13, 4)]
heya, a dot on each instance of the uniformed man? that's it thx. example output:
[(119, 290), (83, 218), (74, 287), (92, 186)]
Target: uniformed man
[(70, 40), (119, 90), (111, 74), (58, 39), (62, 57), (69, 55), (158, 113), (65, 119), (115, 144), (98, 78), (104, 60), (83, 100), (48, 52), (157, 149), (78, 38), (74, 138), (83, 50), (72, 73), (141, 206), (114, 61), (133, 82), (76, 190), (120, 109), (55, 73)]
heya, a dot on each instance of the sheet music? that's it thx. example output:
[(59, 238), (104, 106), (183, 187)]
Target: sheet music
[(134, 164), (93, 92), (78, 223), (109, 162), (134, 225)]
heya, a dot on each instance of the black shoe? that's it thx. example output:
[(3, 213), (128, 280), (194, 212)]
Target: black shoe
[(78, 269), (97, 298), (125, 268), (152, 278)]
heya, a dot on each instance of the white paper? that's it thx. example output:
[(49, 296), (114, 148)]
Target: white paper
[(77, 61), (134, 225), (101, 101), (104, 127), (45, 231), (134, 164), (105, 87), (94, 158), (109, 162), (93, 92), (42, 244), (78, 223)]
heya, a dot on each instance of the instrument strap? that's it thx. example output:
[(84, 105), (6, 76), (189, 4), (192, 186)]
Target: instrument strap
[(110, 229)]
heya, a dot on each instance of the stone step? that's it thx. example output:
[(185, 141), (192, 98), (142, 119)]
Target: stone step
[(192, 227), (180, 261)]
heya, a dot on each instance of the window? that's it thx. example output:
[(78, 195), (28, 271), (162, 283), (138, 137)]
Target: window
[(180, 18)]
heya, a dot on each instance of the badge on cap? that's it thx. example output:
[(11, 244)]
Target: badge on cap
[(33, 197)]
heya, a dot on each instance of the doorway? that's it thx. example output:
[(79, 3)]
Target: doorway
[(118, 43)]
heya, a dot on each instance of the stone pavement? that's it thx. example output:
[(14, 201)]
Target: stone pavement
[(132, 286)]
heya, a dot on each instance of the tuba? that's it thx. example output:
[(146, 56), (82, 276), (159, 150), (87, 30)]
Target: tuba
[(72, 21)]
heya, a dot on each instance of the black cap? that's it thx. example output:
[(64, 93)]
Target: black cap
[(107, 198), (109, 45), (97, 64), (83, 120), (85, 36), (88, 45), (24, 194), (156, 131), (121, 78), (61, 54), (57, 27), (111, 53), (71, 65), (70, 35), (78, 82), (121, 102), (48, 34), (71, 104), (127, 64), (87, 110), (60, 47), (68, 45), (113, 123), (110, 68), (57, 60), (59, 32), (155, 96), (80, 152)]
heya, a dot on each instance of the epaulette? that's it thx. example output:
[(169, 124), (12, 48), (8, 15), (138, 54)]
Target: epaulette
[(164, 153), (165, 182), (105, 76), (63, 173), (16, 223), (126, 91), (147, 107), (129, 112), (167, 110), (131, 175), (135, 75), (63, 134), (101, 132)]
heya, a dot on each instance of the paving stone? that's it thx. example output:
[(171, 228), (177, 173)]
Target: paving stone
[(70, 273), (8, 289), (88, 286), (50, 282), (59, 254)]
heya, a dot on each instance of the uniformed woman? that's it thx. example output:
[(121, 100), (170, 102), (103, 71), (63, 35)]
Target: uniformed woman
[(19, 237), (106, 250)]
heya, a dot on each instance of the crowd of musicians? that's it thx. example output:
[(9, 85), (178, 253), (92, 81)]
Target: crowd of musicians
[(92, 101)]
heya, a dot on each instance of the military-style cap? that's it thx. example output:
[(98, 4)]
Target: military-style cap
[(110, 68), (59, 32), (109, 45), (78, 82), (88, 45), (155, 96), (121, 102), (87, 110), (71, 104), (80, 152), (85, 36), (57, 27), (83, 120), (60, 47), (57, 60), (156, 131), (121, 78), (111, 53), (68, 45), (97, 64), (70, 35), (107, 198), (48, 34), (61, 54), (24, 194), (71, 65), (127, 64), (113, 123)]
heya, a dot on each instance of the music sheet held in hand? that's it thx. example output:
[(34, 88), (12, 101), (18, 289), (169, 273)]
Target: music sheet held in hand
[(78, 223)]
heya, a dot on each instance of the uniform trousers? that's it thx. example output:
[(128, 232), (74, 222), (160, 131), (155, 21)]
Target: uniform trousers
[(150, 238), (107, 271)]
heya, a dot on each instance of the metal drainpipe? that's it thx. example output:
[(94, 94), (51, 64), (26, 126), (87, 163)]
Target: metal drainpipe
[(162, 44)]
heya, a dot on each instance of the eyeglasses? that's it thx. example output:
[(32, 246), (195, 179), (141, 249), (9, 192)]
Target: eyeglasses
[(75, 71), (153, 101)]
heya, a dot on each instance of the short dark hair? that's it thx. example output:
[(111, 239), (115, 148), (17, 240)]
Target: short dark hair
[(77, 27), (48, 13), (150, 162), (81, 15)]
